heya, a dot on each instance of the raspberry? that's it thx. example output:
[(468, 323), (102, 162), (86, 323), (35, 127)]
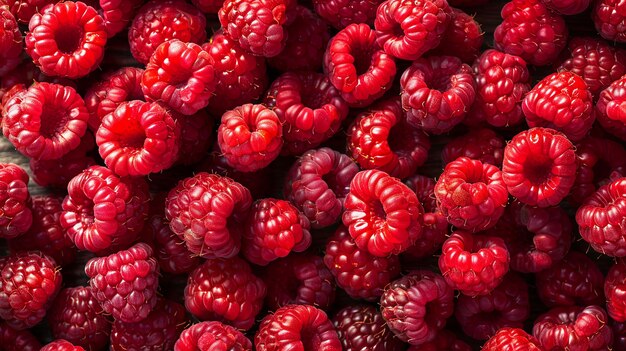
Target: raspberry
[(23, 10), (61, 345), (66, 39), (342, 13), (530, 30), (619, 336), (159, 331), (103, 211), (212, 336), (539, 167), (575, 280), (444, 341), (473, 264), (463, 38), (170, 250), (208, 6), (574, 328), (274, 229), (16, 215), (471, 194), (362, 327), (417, 306), (437, 92), (382, 139), (481, 144), (196, 137), (10, 41), (512, 339), (357, 65), (506, 306), (46, 122), (297, 327), (160, 21), (383, 215), (608, 17), (250, 137), (407, 29), (256, 182), (29, 282), (502, 81), (561, 101), (614, 290), (567, 7), (116, 14), (610, 106), (225, 290), (17, 340), (310, 109)]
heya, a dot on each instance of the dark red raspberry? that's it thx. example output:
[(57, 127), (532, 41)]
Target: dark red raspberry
[(61, 345), (615, 290), (29, 282), (10, 41), (530, 30), (342, 13), (310, 109), (383, 215), (212, 336), (575, 280), (567, 7), (539, 167), (208, 6), (297, 327), (225, 290), (358, 66), (574, 328), (619, 336), (196, 137), (437, 92), (66, 39), (23, 10), (382, 139), (15, 203), (481, 144), (473, 264), (512, 339), (417, 306), (610, 108), (505, 306), (463, 38), (17, 340), (502, 80), (608, 17), (362, 327), (170, 250), (444, 341), (46, 122)]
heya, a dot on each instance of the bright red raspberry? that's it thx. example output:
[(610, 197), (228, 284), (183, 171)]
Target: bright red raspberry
[(444, 341), (17, 340), (567, 7), (611, 106), (574, 328), (512, 339), (502, 81), (46, 122), (480, 144), (212, 336), (23, 10), (530, 30), (473, 264), (362, 327), (417, 306), (381, 138), (117, 13), (211, 7), (66, 39), (310, 109), (342, 13), (539, 167), (10, 41), (171, 252), (615, 290), (609, 19), (29, 282), (358, 66), (437, 92), (225, 290), (15, 203), (463, 38), (383, 215), (61, 345), (575, 280)]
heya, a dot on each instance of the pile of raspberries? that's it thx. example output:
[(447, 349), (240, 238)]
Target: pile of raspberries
[(356, 175)]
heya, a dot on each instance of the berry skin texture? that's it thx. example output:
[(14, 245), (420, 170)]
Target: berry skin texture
[(437, 92), (473, 264), (297, 327), (10, 41), (61, 345), (615, 290), (619, 337), (57, 173), (407, 29), (116, 14), (417, 306), (608, 17), (471, 194), (530, 30), (463, 38), (17, 340), (357, 324), (382, 214), (539, 167), (170, 250), (610, 108), (561, 101), (66, 39), (16, 216), (250, 137), (212, 336), (574, 328), (512, 339), (46, 122), (342, 13), (23, 10), (567, 7), (225, 290), (29, 282), (482, 144)]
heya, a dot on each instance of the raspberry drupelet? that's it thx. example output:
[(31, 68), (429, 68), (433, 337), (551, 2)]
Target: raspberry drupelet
[(567, 7), (512, 339), (16, 216), (615, 290), (212, 336), (610, 108), (61, 345), (342, 13), (608, 17), (437, 92), (480, 144), (23, 10), (463, 38), (17, 340), (10, 41), (117, 14), (443, 341), (574, 328), (362, 327)]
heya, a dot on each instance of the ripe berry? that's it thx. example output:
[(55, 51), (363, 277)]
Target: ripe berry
[(16, 216), (17, 340), (608, 17), (23, 10), (362, 327), (619, 336), (117, 14), (567, 7), (615, 290), (512, 339), (574, 328), (10, 41), (212, 336), (610, 106), (61, 345), (463, 38), (342, 13), (444, 341), (482, 144), (170, 250)]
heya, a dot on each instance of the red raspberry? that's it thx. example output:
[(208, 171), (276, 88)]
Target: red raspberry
[(437, 92), (610, 108), (17, 340), (615, 290), (575, 280), (10, 41), (103, 211), (381, 138), (170, 250), (116, 14), (46, 122), (256, 182), (463, 38), (417, 306), (512, 339), (539, 167), (250, 137), (225, 290), (362, 327), (444, 341), (383, 215), (342, 13), (567, 7), (574, 328), (505, 306), (61, 345), (212, 336), (196, 137), (297, 327), (29, 282), (357, 65), (211, 7), (15, 203), (23, 10), (502, 80), (609, 19), (473, 264), (406, 29), (310, 109), (530, 30), (481, 144), (66, 39)]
